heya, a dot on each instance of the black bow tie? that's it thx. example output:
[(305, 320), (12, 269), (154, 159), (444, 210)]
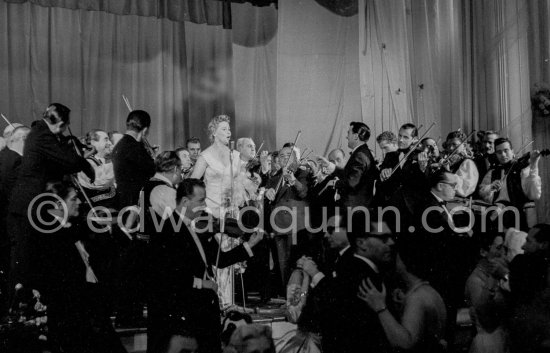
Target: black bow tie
[(442, 203)]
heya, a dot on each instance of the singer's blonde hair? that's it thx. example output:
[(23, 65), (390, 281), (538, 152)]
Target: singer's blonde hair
[(214, 123)]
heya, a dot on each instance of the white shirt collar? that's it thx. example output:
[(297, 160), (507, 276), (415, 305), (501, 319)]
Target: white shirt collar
[(159, 176), (341, 252), (63, 221), (439, 199), (368, 261)]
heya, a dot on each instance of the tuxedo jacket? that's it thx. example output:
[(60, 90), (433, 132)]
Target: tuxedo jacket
[(46, 159), (360, 172), (351, 324), (174, 264), (133, 166), (409, 175), (288, 196)]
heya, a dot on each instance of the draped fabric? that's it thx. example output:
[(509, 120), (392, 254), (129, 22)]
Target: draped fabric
[(254, 35), (317, 76), (211, 12), (179, 72), (539, 70), (413, 64)]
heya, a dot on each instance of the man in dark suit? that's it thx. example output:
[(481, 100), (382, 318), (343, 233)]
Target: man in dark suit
[(182, 279), (132, 163), (360, 171), (10, 161), (408, 174), (48, 157), (287, 189), (133, 167), (448, 249), (353, 325)]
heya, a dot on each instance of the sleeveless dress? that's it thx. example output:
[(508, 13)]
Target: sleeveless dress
[(217, 179)]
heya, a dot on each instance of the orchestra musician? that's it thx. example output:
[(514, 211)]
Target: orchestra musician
[(193, 145), (102, 190), (461, 164), (287, 189), (182, 274), (511, 182), (387, 141), (186, 162), (49, 156), (408, 174), (10, 162), (360, 171), (133, 164), (486, 159)]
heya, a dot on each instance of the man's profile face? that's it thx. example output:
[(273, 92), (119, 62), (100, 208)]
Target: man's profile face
[(338, 159), (194, 150)]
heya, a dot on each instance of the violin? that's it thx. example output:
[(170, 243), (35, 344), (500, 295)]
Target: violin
[(523, 161)]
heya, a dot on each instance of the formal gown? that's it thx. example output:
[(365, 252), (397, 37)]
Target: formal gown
[(217, 178)]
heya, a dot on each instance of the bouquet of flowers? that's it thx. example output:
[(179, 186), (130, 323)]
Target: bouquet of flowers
[(540, 99)]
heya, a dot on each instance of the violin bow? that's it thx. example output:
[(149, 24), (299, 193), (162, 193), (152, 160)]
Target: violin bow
[(513, 163), (287, 162), (413, 147), (127, 102), (7, 121)]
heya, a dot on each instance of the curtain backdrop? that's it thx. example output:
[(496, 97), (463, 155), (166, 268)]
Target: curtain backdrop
[(211, 12), (179, 72), (317, 75)]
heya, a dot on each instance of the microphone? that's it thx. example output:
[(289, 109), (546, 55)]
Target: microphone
[(232, 145)]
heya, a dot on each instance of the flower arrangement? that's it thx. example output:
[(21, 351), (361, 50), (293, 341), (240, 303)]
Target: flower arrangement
[(540, 99)]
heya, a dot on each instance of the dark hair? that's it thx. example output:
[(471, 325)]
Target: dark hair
[(410, 126), (288, 145), (166, 161), (486, 239), (187, 188), (361, 226), (57, 112), (387, 136), (456, 135), (543, 234), (361, 129), (192, 140), (437, 177), (93, 136), (426, 139), (138, 120), (501, 140)]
